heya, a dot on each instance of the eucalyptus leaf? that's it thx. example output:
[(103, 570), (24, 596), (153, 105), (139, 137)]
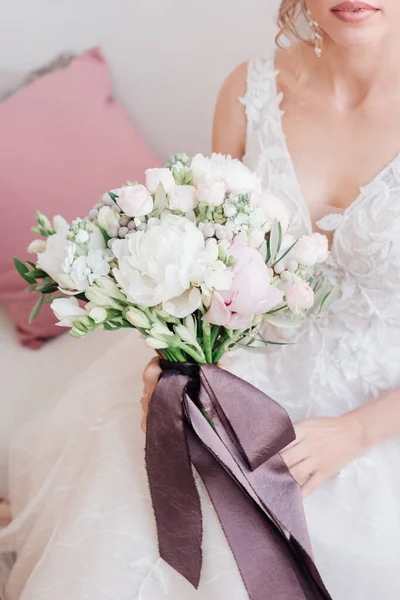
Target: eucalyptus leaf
[(36, 309), (282, 322), (275, 240), (160, 200)]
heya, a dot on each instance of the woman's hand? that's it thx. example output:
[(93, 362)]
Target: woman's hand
[(323, 447), (151, 375)]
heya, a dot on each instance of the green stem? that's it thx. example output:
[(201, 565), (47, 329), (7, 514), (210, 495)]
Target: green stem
[(207, 347), (214, 335), (198, 358), (225, 346)]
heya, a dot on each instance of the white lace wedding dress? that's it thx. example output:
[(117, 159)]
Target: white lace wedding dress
[(84, 527)]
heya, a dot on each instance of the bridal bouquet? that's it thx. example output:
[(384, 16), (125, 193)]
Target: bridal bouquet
[(197, 260)]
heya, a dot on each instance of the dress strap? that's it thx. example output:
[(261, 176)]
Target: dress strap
[(266, 149)]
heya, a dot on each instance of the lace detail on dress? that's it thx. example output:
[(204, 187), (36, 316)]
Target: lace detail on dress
[(266, 149)]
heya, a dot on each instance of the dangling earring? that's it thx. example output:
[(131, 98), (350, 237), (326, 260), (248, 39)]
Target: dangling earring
[(317, 34)]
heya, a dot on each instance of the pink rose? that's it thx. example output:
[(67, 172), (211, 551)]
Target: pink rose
[(250, 294), (211, 191), (299, 297)]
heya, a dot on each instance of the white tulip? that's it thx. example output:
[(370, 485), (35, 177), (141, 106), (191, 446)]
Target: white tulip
[(67, 311), (155, 177)]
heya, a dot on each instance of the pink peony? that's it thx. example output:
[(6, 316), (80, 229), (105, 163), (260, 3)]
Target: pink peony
[(251, 293)]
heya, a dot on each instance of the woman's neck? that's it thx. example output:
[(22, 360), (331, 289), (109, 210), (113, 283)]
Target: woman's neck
[(356, 75)]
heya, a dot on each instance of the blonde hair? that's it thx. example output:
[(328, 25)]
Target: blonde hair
[(289, 13)]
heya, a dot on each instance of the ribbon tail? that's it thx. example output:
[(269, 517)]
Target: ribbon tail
[(175, 498)]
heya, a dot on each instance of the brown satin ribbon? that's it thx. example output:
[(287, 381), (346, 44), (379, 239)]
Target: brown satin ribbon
[(257, 501)]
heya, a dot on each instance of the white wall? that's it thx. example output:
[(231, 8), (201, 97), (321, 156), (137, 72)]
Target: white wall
[(168, 57)]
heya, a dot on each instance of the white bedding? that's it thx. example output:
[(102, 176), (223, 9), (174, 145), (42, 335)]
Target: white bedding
[(33, 379)]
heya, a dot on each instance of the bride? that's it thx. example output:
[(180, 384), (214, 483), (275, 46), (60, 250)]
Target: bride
[(316, 121)]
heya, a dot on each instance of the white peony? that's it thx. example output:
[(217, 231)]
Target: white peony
[(67, 310), (155, 265), (236, 175), (155, 177), (108, 219), (183, 198), (134, 200)]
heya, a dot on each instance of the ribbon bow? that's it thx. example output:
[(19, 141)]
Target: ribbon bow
[(232, 433)]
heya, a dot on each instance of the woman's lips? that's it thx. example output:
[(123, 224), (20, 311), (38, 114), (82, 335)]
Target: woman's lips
[(354, 12)]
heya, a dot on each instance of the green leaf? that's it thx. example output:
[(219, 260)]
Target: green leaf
[(113, 196), (160, 200), (275, 240), (36, 309), (104, 233), (23, 270), (285, 254), (39, 274)]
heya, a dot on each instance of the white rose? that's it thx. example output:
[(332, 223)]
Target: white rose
[(155, 177), (299, 297), (155, 265), (108, 219), (134, 200), (310, 249), (67, 311), (37, 246), (211, 190), (183, 198)]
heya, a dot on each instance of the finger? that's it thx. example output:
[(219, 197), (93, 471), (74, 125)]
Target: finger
[(299, 433), (312, 484), (144, 423), (153, 371), (294, 455), (145, 402), (302, 471)]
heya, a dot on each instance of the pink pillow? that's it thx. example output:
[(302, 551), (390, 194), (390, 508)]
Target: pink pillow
[(64, 141)]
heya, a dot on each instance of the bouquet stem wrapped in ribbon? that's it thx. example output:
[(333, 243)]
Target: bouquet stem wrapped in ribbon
[(257, 501), (200, 261)]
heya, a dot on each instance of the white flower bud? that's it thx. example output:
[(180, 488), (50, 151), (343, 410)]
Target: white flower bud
[(98, 314), (159, 331), (138, 319), (279, 268), (292, 266), (184, 333), (37, 246), (156, 344)]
